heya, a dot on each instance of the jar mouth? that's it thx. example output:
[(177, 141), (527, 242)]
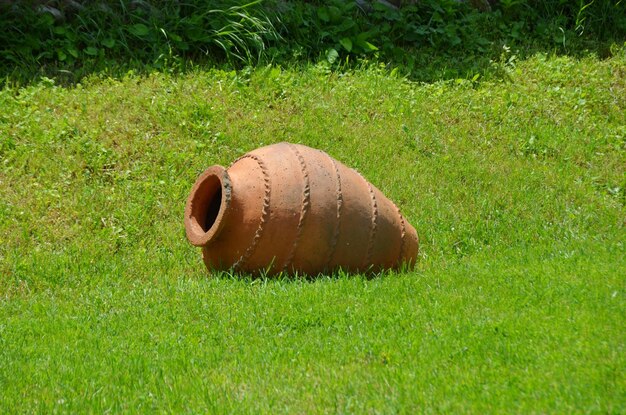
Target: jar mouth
[(207, 206)]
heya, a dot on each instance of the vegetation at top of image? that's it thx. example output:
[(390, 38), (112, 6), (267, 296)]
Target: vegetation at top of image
[(74, 36), (427, 40), (409, 35)]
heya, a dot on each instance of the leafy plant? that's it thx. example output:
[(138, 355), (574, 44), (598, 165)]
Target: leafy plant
[(74, 37), (427, 39)]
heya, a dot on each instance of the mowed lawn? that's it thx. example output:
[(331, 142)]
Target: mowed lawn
[(517, 189)]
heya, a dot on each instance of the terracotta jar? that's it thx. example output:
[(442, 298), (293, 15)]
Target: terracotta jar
[(291, 208)]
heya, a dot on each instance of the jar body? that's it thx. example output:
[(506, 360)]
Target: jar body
[(291, 208)]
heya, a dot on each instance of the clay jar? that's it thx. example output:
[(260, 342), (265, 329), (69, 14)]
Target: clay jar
[(292, 208)]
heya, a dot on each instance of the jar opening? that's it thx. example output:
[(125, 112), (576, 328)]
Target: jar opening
[(213, 209), (206, 206)]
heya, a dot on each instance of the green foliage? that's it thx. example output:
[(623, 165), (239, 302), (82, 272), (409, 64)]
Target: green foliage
[(74, 36), (393, 34), (421, 37), (427, 40), (516, 188), (599, 19)]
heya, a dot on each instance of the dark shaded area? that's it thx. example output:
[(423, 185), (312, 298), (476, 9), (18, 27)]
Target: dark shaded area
[(438, 39), (213, 210), (427, 39)]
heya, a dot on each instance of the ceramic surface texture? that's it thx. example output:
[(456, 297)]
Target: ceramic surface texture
[(291, 208)]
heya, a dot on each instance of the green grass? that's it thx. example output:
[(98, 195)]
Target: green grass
[(516, 188)]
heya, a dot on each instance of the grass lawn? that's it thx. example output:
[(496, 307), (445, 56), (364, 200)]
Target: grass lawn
[(517, 189)]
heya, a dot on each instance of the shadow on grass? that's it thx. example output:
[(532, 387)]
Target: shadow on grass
[(264, 277), (427, 64)]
